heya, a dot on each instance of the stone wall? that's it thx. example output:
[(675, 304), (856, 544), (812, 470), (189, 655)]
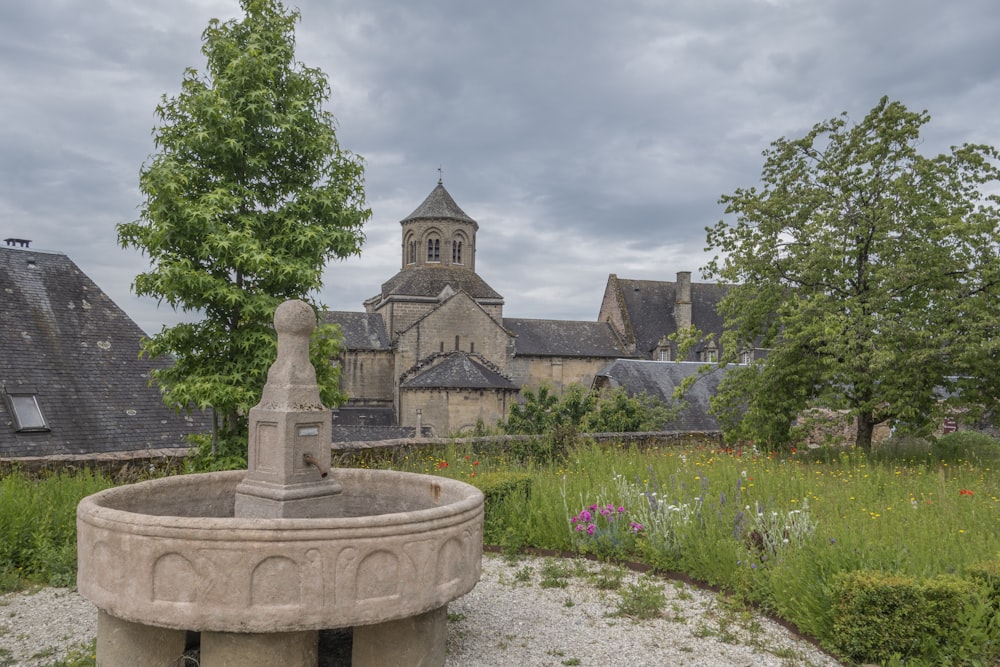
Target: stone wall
[(459, 320), (367, 376), (447, 411), (556, 372)]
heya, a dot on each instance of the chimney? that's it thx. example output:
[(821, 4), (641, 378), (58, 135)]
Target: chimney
[(24, 243), (682, 305)]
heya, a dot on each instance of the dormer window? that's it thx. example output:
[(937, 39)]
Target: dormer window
[(433, 250), (456, 252), (23, 407)]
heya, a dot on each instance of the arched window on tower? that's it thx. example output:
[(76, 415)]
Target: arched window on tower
[(411, 257), (456, 252), (433, 250)]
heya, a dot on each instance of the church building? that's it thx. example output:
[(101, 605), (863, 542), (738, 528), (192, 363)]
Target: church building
[(433, 351)]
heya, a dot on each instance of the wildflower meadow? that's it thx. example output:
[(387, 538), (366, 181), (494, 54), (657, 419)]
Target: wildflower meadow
[(778, 531)]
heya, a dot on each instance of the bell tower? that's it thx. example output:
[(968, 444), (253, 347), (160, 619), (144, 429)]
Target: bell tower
[(439, 233)]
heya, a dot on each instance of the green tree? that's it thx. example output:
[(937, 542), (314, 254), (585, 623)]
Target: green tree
[(247, 197), (869, 272), (608, 411)]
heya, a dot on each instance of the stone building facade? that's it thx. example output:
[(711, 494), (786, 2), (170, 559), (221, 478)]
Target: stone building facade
[(433, 349)]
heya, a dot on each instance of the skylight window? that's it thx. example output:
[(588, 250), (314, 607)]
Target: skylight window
[(24, 408)]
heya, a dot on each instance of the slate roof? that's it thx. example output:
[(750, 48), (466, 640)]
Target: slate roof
[(658, 379), (63, 338), (361, 331), (458, 370), (430, 281), (439, 205), (372, 433), (559, 338), (650, 306)]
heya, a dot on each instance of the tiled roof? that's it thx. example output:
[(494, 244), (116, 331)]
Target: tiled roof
[(558, 338), (650, 305), (458, 370), (658, 379), (63, 338), (361, 331), (439, 205), (430, 281)]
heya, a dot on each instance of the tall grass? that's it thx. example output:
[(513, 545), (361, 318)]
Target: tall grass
[(38, 526)]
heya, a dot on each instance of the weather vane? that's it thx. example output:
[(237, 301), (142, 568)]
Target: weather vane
[(440, 176)]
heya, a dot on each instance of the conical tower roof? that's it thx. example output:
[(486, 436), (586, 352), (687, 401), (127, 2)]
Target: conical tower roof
[(439, 205)]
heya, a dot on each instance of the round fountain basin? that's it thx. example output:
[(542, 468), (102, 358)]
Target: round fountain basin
[(170, 553)]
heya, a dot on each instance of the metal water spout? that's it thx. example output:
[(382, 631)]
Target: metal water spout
[(290, 435)]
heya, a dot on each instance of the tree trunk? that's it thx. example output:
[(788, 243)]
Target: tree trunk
[(866, 426)]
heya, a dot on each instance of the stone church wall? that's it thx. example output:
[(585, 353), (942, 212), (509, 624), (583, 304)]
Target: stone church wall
[(366, 376), (556, 372), (400, 316), (459, 324), (448, 411)]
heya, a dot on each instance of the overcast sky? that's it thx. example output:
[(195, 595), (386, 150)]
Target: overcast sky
[(586, 138)]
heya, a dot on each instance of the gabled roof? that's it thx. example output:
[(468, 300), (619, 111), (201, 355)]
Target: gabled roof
[(64, 340), (458, 370), (659, 378), (429, 281), (361, 331), (437, 206), (650, 307), (558, 338)]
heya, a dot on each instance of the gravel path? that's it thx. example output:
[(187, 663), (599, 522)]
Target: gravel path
[(519, 615)]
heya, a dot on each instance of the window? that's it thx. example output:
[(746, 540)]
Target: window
[(456, 252), (711, 353), (433, 250), (24, 408), (412, 254), (664, 354)]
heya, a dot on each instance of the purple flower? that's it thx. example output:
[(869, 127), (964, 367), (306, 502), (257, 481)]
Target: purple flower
[(591, 528), (621, 510), (585, 516), (636, 527)]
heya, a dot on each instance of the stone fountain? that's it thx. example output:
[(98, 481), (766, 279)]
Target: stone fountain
[(258, 562)]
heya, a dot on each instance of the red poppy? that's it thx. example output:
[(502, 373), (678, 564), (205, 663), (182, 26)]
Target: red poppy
[(442, 464), (966, 492)]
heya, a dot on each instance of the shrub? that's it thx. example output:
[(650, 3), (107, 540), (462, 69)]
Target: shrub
[(500, 491), (879, 617)]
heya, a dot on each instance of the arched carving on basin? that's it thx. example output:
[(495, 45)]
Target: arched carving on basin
[(174, 579), (276, 582), (450, 563), (378, 576)]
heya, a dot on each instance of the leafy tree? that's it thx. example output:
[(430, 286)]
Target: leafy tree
[(869, 272), (609, 411), (615, 411), (247, 198)]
